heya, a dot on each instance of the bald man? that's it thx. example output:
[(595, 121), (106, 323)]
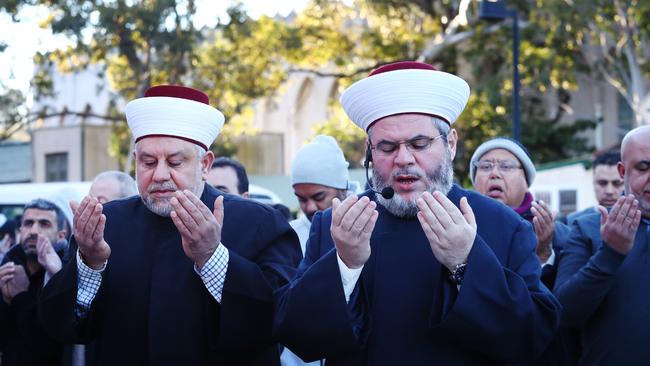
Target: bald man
[(602, 280), (112, 185)]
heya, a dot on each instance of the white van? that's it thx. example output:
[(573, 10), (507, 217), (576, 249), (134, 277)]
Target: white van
[(15, 195), (263, 195)]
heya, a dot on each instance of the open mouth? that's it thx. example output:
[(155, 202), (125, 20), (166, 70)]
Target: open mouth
[(495, 191), (406, 182)]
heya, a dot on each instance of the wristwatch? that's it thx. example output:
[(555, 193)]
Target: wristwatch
[(458, 273)]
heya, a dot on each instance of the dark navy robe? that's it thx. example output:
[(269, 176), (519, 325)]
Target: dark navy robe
[(152, 307), (405, 311)]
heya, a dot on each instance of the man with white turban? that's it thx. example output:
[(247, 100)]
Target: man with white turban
[(179, 274), (430, 274)]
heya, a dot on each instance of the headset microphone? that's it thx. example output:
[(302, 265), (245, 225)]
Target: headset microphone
[(387, 192)]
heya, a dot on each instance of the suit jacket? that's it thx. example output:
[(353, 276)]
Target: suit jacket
[(606, 295), (404, 310), (152, 307)]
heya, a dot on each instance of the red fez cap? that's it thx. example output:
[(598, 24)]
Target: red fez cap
[(402, 65), (177, 91), (174, 111)]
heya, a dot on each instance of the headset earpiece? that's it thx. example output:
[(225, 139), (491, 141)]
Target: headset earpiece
[(366, 162)]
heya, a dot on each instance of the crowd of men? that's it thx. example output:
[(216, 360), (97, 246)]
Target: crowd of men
[(181, 267)]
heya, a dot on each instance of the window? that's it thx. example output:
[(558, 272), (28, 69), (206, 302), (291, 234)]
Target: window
[(568, 200), (543, 196), (56, 167)]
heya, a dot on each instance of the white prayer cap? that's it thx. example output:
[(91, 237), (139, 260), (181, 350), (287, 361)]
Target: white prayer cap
[(320, 162), (405, 87), (174, 111)]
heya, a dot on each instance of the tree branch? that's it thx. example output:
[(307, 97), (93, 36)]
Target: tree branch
[(339, 74), (32, 117)]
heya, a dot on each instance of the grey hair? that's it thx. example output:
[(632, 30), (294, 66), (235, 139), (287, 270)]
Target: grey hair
[(45, 205), (127, 184), (200, 152)]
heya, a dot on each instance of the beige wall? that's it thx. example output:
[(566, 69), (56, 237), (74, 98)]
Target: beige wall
[(67, 139), (57, 140), (292, 113), (97, 158)]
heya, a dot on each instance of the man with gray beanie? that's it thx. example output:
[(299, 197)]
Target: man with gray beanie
[(319, 173), (501, 168)]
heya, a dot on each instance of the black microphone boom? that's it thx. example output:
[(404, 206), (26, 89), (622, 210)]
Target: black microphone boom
[(387, 192)]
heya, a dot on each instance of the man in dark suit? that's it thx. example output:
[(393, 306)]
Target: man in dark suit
[(23, 271), (179, 274), (602, 281)]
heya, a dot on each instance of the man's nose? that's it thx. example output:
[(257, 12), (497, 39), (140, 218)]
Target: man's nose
[(161, 173), (311, 207), (610, 189), (495, 172), (404, 156)]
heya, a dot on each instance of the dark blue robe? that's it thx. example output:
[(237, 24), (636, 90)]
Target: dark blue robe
[(152, 307), (405, 311)]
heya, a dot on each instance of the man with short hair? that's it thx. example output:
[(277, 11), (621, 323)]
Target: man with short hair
[(501, 168), (229, 175), (432, 274), (608, 185), (180, 274), (23, 341), (112, 185), (602, 280), (319, 173)]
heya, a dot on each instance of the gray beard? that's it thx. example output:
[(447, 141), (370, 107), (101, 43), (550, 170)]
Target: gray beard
[(441, 180), (163, 207)]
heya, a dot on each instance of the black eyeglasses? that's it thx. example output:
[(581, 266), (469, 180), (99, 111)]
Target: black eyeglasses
[(504, 166), (415, 144)]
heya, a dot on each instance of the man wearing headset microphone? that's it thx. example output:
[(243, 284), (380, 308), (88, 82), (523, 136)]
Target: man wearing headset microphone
[(416, 270)]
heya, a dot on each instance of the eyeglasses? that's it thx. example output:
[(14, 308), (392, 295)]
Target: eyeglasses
[(415, 144), (504, 166)]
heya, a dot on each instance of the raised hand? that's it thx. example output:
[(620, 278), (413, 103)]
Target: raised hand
[(352, 223), (47, 257), (88, 224), (13, 280), (450, 231), (618, 227), (544, 224), (200, 229), (7, 271)]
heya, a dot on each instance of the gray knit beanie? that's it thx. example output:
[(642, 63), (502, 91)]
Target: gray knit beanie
[(513, 146)]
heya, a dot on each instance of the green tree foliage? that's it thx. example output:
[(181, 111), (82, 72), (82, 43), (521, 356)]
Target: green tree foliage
[(146, 42), (12, 114), (351, 139)]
